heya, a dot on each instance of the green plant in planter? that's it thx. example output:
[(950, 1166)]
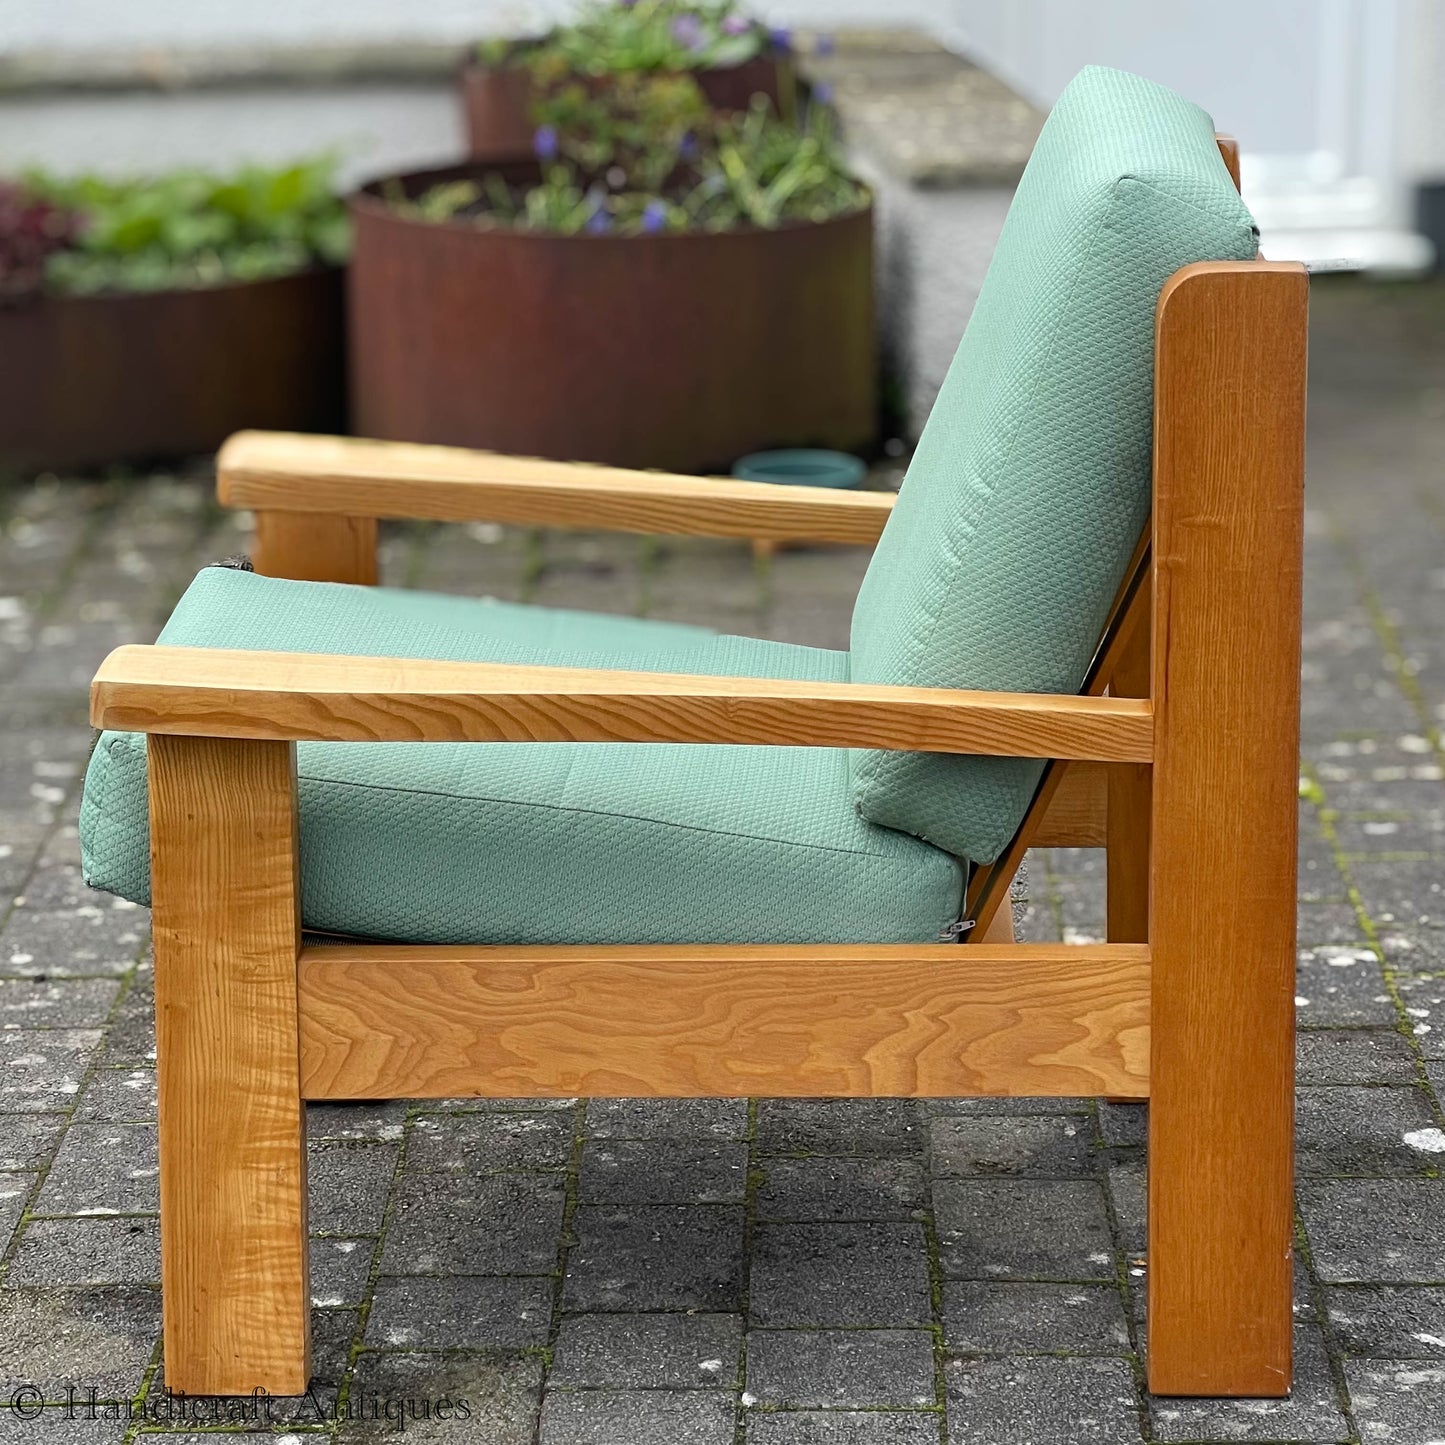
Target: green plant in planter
[(646, 154), (193, 229), (613, 37)]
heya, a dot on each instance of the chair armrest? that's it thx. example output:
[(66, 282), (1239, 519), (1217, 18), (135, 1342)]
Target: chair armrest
[(285, 472), (214, 693)]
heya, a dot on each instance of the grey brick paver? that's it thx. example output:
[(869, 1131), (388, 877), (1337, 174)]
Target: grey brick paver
[(1390, 1322), (340, 1270), (637, 1417), (1349, 1130), (103, 1166), (486, 1398), (1354, 1056), (625, 1171), (842, 1427), (473, 1224), (26, 1139), (800, 1368), (981, 1317), (839, 1189), (100, 1338), (656, 1258), (667, 1118), (464, 1143), (119, 1096), (460, 1312), (80, 1003), (1023, 1229), (672, 1350), (1401, 1402), (1385, 1230), (1025, 1401), (100, 1250), (349, 1184), (1042, 1147), (840, 1274), (889, 1127)]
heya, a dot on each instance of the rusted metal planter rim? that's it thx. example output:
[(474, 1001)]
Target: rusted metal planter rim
[(234, 284), (368, 201), (472, 66)]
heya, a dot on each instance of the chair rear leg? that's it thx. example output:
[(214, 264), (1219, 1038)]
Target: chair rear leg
[(1228, 519), (1127, 810), (232, 1131)]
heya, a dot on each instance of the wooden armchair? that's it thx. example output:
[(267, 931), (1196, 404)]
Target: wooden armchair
[(1179, 755)]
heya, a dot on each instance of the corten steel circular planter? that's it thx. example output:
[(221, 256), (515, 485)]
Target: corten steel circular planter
[(152, 375), (497, 101), (681, 350)]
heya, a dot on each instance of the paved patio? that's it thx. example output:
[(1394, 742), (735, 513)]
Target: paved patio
[(795, 1273)]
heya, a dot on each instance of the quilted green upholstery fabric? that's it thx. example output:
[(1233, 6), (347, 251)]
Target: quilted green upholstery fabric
[(545, 843), (1031, 481)]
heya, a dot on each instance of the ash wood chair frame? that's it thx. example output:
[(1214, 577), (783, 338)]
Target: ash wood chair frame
[(1186, 771)]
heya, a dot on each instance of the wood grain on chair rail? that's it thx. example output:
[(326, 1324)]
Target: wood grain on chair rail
[(858, 1020), (215, 693), (282, 472)]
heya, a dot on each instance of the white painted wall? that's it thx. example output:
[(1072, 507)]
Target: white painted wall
[(373, 128), (1336, 103), (134, 24)]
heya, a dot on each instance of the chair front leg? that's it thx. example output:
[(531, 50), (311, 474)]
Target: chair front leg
[(224, 892)]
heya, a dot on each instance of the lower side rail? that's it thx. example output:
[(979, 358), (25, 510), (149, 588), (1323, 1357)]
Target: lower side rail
[(862, 1020)]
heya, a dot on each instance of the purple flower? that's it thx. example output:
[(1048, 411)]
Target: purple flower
[(780, 38), (736, 25), (687, 31), (598, 223), (823, 93), (823, 45), (654, 217), (687, 147), (544, 143)]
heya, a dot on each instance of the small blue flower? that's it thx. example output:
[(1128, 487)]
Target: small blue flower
[(687, 146), (780, 38), (687, 31), (544, 142), (598, 223), (654, 217), (823, 45), (823, 93)]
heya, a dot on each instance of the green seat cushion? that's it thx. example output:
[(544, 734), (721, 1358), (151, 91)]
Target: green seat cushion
[(1031, 482), (544, 842)]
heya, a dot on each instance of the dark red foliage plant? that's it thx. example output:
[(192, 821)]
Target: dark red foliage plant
[(31, 229)]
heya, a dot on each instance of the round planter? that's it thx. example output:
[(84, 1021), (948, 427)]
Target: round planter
[(497, 102), (680, 351), (92, 379)]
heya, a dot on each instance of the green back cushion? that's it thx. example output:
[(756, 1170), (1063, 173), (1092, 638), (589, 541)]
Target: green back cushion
[(1031, 482)]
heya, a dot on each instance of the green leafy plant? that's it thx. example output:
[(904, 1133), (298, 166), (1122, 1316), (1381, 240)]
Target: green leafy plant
[(614, 37), (193, 229), (645, 155)]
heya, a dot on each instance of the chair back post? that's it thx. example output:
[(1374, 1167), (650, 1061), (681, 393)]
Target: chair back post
[(1225, 657)]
